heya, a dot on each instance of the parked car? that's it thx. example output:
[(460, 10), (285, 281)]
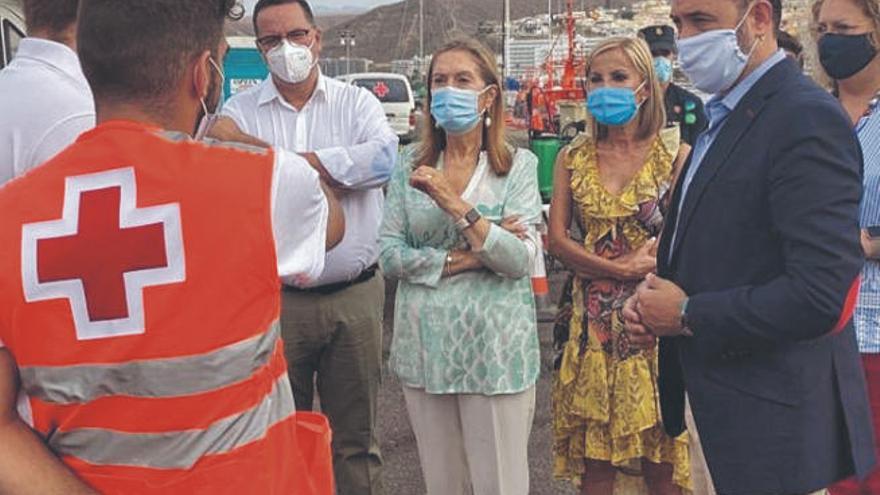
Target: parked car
[(396, 96), (11, 29)]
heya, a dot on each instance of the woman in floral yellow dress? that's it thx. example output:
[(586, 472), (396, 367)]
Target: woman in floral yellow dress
[(613, 184)]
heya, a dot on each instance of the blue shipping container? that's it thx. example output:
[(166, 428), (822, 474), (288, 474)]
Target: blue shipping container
[(244, 68)]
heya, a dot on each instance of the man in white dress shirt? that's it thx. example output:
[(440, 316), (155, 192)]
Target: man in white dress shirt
[(332, 327), (45, 101)]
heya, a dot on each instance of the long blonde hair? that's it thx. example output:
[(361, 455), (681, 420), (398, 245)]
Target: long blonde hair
[(652, 113), (494, 141)]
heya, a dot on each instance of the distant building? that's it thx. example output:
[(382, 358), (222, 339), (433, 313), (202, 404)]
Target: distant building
[(332, 67), (527, 55)]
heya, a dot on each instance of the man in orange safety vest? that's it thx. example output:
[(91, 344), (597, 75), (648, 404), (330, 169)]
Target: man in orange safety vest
[(140, 348)]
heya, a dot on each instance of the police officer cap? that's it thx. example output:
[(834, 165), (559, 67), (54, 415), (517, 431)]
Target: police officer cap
[(660, 37)]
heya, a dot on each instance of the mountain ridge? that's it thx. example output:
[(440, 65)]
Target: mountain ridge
[(391, 32)]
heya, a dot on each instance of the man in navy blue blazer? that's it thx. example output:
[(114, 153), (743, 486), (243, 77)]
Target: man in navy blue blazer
[(756, 264)]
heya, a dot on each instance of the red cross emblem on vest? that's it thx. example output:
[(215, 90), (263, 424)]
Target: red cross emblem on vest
[(102, 253), (381, 90)]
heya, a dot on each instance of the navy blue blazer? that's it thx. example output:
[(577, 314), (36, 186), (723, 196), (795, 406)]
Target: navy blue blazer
[(767, 249)]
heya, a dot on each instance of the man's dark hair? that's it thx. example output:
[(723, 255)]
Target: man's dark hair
[(789, 43), (777, 11), (53, 16), (132, 50), (262, 4)]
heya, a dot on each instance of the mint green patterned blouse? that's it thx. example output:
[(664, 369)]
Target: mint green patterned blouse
[(476, 332)]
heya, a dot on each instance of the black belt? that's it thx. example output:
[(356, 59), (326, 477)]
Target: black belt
[(326, 290)]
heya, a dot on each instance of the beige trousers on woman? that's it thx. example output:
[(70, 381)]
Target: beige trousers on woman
[(472, 444)]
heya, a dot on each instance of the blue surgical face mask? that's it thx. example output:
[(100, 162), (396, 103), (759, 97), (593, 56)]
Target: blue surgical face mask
[(613, 106), (663, 68), (456, 110), (713, 60)]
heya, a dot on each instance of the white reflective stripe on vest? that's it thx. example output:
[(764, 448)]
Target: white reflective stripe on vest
[(155, 378), (177, 449)]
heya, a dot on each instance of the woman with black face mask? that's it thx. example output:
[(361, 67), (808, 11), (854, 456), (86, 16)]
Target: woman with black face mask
[(848, 36)]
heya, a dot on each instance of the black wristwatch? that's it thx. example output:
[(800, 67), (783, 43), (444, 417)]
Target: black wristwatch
[(468, 220)]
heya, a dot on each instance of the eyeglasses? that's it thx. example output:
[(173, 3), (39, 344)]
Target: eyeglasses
[(298, 36)]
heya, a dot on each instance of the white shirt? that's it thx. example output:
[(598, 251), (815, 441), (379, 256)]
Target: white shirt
[(299, 219), (45, 104), (346, 127)]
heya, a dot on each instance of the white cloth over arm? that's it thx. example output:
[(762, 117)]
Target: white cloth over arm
[(299, 219), (370, 162)]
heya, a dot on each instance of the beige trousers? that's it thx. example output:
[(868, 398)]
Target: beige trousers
[(700, 475), (472, 444)]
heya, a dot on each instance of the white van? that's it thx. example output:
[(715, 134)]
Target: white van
[(11, 29), (396, 96)]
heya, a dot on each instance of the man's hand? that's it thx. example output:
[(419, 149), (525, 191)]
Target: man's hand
[(659, 305), (225, 129), (870, 245), (639, 335)]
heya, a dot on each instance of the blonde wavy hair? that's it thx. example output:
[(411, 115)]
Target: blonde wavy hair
[(494, 141), (871, 9), (652, 113)]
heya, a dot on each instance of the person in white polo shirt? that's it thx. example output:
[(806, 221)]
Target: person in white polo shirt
[(45, 101), (332, 327)]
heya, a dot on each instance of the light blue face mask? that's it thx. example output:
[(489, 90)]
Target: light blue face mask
[(663, 68), (456, 110), (713, 60), (613, 106)]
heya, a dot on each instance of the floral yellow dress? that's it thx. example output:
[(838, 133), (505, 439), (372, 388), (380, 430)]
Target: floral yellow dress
[(605, 394)]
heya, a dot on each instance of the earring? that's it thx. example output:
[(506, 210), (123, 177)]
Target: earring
[(488, 121)]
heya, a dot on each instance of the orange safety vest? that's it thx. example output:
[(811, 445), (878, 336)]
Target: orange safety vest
[(140, 301)]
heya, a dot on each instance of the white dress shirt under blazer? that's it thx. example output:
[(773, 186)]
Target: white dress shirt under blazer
[(346, 127)]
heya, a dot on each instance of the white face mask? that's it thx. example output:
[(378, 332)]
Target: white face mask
[(209, 118), (713, 60), (291, 62)]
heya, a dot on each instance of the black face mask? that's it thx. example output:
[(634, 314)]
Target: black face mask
[(843, 56)]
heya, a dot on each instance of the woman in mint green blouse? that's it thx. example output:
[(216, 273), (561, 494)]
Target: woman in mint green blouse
[(465, 340)]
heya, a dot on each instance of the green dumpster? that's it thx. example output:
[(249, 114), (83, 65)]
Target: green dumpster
[(546, 148)]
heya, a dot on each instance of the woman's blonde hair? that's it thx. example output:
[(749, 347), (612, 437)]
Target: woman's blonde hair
[(652, 113), (494, 142), (871, 8)]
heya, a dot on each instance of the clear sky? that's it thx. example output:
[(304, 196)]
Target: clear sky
[(317, 4)]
